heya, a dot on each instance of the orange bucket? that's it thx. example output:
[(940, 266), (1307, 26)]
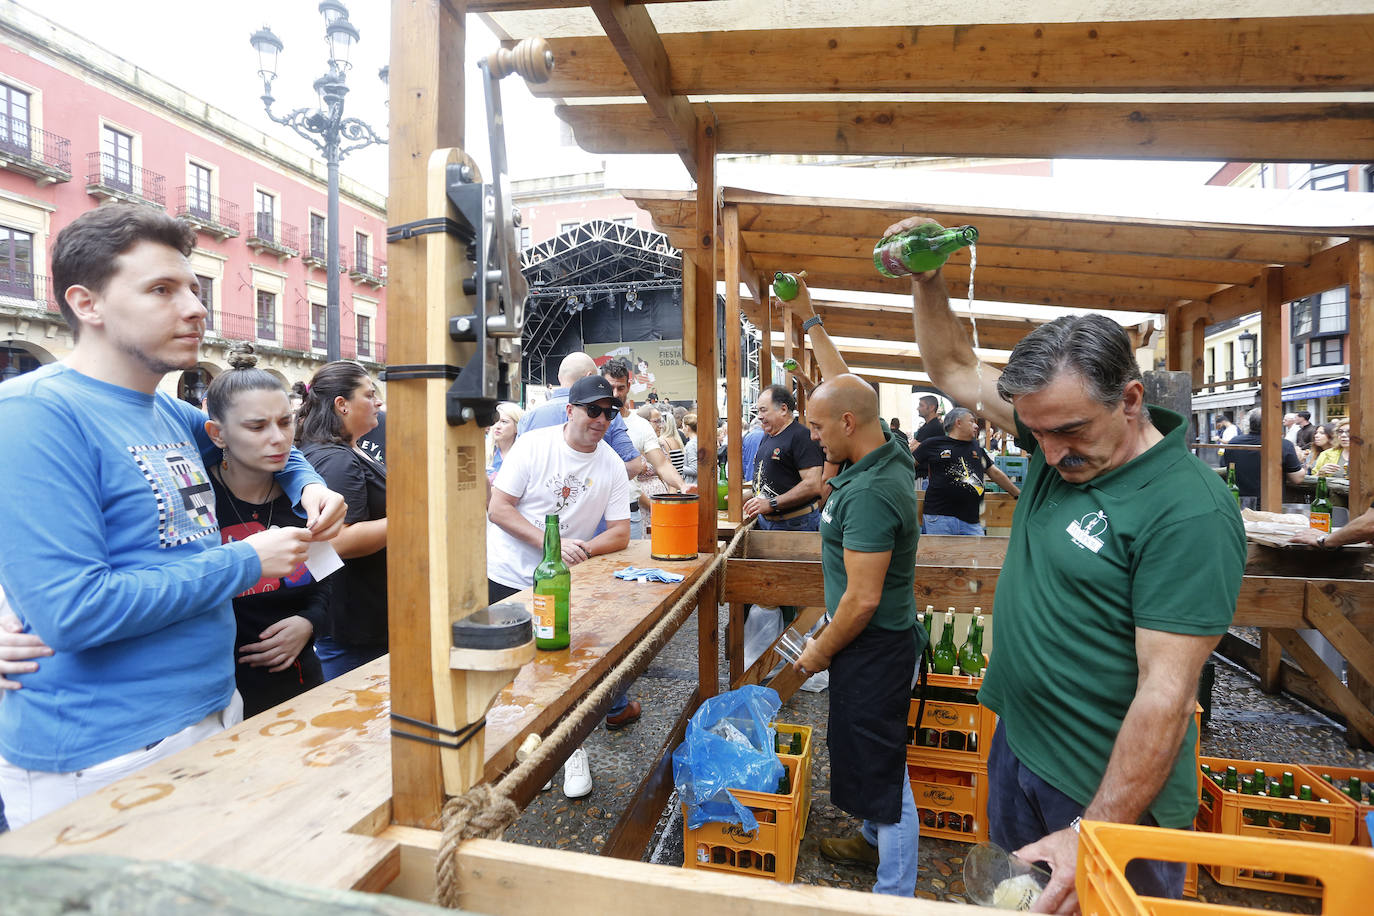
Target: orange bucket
[(673, 531)]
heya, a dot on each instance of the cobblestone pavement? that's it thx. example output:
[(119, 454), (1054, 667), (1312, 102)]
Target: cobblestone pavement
[(1245, 724)]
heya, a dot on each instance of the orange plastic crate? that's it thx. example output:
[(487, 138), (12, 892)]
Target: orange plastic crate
[(1221, 812), (946, 797), (973, 722), (805, 759), (768, 852), (1346, 873), (1314, 774)]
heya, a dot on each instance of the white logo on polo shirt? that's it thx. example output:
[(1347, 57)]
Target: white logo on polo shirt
[(1087, 531)]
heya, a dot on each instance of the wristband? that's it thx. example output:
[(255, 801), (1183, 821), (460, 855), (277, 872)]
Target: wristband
[(810, 323)]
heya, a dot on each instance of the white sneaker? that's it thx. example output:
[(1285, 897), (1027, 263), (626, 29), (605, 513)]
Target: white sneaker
[(577, 775)]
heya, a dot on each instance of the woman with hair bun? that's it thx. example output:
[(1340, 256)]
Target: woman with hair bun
[(252, 422), (341, 405)]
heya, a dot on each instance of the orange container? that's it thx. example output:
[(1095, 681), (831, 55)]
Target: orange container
[(673, 535), (768, 852), (1345, 873), (952, 803), (1315, 772)]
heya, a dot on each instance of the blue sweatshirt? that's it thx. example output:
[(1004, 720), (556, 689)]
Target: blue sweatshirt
[(110, 552)]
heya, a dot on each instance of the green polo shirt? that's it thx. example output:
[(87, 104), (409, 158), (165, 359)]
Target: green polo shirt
[(1155, 544), (872, 508)]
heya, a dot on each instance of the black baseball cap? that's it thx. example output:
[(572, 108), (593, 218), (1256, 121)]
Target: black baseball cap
[(592, 388)]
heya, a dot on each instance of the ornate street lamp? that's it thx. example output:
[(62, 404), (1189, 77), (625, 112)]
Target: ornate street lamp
[(1247, 352), (326, 127)]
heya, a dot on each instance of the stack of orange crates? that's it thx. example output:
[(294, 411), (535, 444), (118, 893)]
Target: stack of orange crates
[(1222, 812), (771, 850), (950, 784)]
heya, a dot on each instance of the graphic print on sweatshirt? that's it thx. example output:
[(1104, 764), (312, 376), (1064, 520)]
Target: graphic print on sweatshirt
[(185, 499), (242, 530)]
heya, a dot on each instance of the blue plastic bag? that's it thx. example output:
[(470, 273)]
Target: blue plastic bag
[(728, 745)]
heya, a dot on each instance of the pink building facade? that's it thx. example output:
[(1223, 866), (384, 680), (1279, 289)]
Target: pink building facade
[(80, 128)]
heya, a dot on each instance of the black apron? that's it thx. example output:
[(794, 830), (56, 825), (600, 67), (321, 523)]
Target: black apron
[(870, 695)]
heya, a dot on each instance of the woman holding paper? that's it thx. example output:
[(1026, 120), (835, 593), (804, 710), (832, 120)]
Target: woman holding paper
[(341, 406), (252, 422)]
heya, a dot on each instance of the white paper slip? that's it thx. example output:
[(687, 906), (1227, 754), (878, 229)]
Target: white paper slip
[(322, 559)]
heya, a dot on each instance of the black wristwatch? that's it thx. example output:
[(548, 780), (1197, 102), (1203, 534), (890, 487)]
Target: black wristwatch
[(810, 323), (773, 501)]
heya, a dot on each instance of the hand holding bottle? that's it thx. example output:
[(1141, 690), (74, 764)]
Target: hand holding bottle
[(280, 550), (912, 222), (574, 551)]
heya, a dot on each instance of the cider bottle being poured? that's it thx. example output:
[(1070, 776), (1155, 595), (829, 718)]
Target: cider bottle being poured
[(920, 248)]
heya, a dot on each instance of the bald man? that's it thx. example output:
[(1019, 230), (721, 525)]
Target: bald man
[(554, 411), (868, 554)]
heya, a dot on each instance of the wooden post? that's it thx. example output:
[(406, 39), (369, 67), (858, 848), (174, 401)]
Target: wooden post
[(1174, 341), (426, 108), (766, 347), (1197, 335), (704, 266), (1271, 384), (1361, 360), (734, 396), (802, 355)]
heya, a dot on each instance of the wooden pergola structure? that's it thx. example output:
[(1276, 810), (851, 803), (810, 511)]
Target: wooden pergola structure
[(680, 78)]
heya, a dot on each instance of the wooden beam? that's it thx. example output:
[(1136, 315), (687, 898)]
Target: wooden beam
[(634, 37), (1292, 54), (765, 325), (1359, 717), (761, 212), (1360, 279), (1271, 388), (1248, 131), (706, 318), (426, 115), (734, 399)]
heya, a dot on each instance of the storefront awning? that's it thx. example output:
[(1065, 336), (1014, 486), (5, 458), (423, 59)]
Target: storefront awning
[(1320, 389), (1242, 398)]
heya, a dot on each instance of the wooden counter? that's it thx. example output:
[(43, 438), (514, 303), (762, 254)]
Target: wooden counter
[(301, 791)]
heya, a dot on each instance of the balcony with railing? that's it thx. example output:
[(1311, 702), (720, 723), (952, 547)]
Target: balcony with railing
[(112, 178), (26, 290), (296, 339), (279, 238), (317, 255), (205, 211), (368, 269), (39, 154)]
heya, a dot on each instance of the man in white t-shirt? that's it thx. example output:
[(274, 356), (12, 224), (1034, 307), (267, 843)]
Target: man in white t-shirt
[(571, 472)]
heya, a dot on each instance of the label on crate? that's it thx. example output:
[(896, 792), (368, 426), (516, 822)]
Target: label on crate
[(738, 834), (936, 795)]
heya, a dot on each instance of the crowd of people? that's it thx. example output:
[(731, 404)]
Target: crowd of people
[(177, 578)]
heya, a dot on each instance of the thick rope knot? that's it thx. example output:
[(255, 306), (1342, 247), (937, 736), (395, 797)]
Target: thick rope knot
[(481, 812)]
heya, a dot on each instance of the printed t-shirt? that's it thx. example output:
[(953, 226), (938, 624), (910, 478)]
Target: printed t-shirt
[(955, 469), (780, 459)]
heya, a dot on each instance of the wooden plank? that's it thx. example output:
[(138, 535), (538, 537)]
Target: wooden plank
[(707, 363), (1341, 633), (634, 37), (1294, 54), (1248, 131), (1257, 243), (767, 581), (1360, 718), (1361, 358), (1270, 354), (1270, 655), (524, 881), (638, 822), (734, 399), (757, 672), (427, 52), (690, 272)]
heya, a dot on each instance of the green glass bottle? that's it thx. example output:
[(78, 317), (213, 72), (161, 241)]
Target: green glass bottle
[(970, 655), (1306, 822), (722, 490), (920, 248), (785, 783), (1232, 781), (785, 286), (1247, 787), (1231, 482), (790, 364), (945, 656), (552, 592), (1319, 514), (1286, 786), (1352, 788)]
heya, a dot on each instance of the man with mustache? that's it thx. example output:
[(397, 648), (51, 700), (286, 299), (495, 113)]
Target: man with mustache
[(1122, 571)]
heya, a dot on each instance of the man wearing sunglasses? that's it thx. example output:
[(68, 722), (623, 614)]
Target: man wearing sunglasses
[(571, 472)]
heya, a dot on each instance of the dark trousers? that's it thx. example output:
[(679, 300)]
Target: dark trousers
[(1022, 808)]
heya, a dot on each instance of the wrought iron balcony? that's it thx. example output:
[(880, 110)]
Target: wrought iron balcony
[(117, 179), (215, 215), (368, 269), (28, 150), (279, 238), (317, 255), (29, 290)]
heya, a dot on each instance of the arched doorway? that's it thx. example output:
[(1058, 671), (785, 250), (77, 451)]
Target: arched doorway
[(15, 360), (194, 383)]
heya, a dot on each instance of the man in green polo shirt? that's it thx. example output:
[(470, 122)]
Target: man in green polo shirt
[(1122, 572), (868, 555)]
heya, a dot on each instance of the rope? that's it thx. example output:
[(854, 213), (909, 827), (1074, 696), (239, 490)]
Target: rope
[(485, 811)]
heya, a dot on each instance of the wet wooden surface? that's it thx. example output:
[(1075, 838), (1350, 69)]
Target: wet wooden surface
[(300, 792)]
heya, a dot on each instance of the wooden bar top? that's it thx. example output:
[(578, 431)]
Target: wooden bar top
[(299, 792)]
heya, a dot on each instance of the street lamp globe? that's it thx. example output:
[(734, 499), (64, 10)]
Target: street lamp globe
[(341, 36), (331, 10), (268, 47)]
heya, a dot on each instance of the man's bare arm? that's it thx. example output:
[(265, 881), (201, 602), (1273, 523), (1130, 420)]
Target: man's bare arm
[(1000, 478), (828, 358), (865, 574), (503, 513), (665, 470)]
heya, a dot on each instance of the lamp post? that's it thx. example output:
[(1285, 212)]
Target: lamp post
[(325, 127), (1248, 356)]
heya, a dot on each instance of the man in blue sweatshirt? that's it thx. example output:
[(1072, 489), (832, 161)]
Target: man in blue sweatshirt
[(111, 545)]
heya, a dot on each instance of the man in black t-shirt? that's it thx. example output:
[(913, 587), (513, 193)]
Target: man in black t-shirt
[(955, 464), (928, 409), (895, 425), (1247, 461), (787, 468)]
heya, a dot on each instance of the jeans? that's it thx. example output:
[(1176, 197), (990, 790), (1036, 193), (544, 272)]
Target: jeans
[(948, 524), (1022, 808), (636, 525), (811, 521), (336, 659), (897, 844)]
